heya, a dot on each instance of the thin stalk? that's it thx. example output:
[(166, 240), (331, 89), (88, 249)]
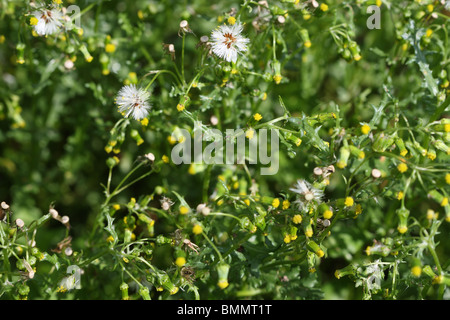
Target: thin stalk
[(206, 181), (225, 215), (182, 59), (213, 246)]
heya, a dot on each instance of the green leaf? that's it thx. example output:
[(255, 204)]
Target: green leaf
[(110, 228)]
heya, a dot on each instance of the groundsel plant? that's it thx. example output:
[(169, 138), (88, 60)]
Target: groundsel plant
[(359, 202)]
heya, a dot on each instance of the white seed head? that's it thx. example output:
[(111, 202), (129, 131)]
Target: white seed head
[(200, 207), (29, 269), (309, 196), (306, 193), (184, 24), (68, 251), (150, 156), (20, 223), (214, 120), (65, 219), (318, 171), (184, 27), (281, 19), (4, 205), (54, 213), (206, 211), (166, 203), (227, 42), (376, 173), (68, 64), (49, 21), (133, 101)]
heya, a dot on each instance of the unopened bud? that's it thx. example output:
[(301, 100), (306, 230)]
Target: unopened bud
[(344, 154), (222, 272)]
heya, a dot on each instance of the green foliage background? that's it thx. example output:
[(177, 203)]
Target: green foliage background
[(55, 124)]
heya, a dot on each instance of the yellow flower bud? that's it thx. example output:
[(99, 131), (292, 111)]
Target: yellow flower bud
[(297, 219), (197, 229), (402, 167)]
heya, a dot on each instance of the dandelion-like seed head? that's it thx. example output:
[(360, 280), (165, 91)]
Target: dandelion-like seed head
[(47, 21), (166, 203), (307, 194), (133, 101), (227, 42)]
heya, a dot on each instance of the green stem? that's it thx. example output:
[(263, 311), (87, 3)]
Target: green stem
[(108, 185), (213, 246), (206, 183), (436, 116), (161, 72), (284, 262), (37, 224), (225, 215), (182, 59), (115, 192), (439, 269), (133, 182), (97, 16), (274, 41)]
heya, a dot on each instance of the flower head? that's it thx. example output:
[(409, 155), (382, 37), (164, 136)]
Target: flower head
[(47, 21), (227, 42), (402, 167), (307, 194), (133, 101)]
